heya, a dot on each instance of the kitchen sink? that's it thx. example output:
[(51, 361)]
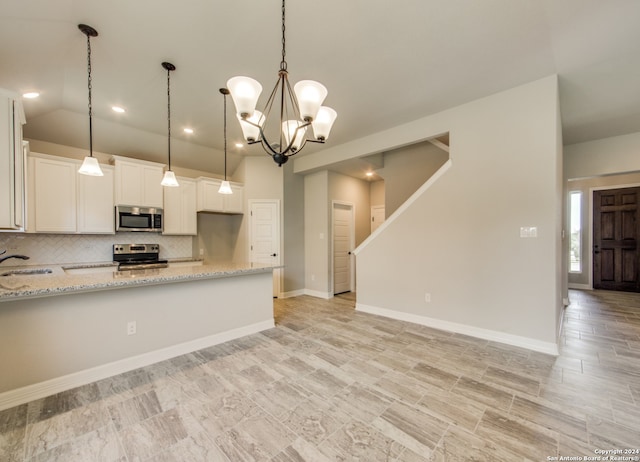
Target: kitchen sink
[(91, 269), (26, 272)]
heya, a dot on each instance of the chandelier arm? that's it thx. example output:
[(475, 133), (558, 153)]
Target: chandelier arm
[(267, 146)]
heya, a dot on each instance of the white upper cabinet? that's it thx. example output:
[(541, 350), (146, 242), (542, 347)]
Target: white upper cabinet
[(95, 202), (180, 216), (137, 182), (54, 199), (63, 201), (210, 200), (12, 163)]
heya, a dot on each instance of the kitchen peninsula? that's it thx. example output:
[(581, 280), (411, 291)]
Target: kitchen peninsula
[(75, 325)]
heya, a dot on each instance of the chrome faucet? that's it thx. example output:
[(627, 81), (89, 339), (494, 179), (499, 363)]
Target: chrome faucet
[(22, 257)]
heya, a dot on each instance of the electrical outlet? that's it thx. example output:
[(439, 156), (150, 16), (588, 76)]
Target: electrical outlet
[(131, 328), (201, 252), (427, 297), (313, 277)]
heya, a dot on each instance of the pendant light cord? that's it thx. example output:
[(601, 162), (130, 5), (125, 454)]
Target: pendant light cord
[(225, 136), (89, 87), (169, 116), (283, 63)]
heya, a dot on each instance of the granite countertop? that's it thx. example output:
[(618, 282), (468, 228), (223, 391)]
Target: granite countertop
[(68, 279)]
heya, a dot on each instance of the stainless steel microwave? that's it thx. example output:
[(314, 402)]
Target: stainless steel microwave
[(129, 218)]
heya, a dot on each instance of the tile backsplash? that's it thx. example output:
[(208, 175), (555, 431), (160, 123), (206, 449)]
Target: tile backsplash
[(47, 249)]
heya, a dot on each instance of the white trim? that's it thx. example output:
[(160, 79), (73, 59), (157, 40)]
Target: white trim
[(486, 334), (573, 285), (291, 293), (318, 294), (35, 391), (400, 210)]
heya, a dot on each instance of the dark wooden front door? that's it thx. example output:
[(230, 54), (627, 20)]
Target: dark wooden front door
[(616, 229)]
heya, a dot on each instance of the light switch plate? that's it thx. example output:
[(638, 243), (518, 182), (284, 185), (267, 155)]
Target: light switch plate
[(528, 231)]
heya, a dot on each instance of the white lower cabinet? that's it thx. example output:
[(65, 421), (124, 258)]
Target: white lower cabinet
[(63, 201), (180, 215), (210, 200)]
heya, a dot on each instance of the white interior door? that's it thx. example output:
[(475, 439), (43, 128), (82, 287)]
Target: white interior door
[(343, 243), (264, 240), (377, 216)]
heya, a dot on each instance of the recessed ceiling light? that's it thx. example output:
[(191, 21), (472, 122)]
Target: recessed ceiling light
[(31, 95), (188, 130), (239, 145), (369, 174), (118, 109)]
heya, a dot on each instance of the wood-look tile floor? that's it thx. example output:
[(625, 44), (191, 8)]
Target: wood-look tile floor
[(332, 384)]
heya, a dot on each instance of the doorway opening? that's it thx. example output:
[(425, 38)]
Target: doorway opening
[(343, 242), (616, 232)]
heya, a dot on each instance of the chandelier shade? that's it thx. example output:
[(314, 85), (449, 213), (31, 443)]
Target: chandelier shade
[(310, 95), (323, 122), (281, 127), (169, 179), (245, 92), (251, 126), (91, 167)]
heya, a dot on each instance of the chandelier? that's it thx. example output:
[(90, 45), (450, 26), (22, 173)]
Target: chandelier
[(297, 110)]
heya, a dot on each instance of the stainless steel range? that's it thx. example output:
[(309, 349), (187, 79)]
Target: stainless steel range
[(138, 256)]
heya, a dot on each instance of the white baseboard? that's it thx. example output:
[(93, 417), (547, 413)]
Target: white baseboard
[(292, 293), (23, 395), (579, 286), (486, 334), (318, 294)]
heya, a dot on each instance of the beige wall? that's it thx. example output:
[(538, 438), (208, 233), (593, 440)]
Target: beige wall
[(293, 279), (408, 168), (459, 241), (354, 191), (316, 233), (618, 154), (49, 338), (377, 192)]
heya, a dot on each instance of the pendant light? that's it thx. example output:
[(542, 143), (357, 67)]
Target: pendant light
[(298, 109), (90, 166), (225, 187), (169, 178)]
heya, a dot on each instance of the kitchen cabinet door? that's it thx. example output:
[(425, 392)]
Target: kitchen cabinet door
[(180, 215), (234, 203), (137, 183), (12, 187), (209, 199), (55, 195), (96, 203)]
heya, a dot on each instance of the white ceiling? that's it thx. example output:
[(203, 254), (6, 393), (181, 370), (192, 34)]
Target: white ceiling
[(384, 63)]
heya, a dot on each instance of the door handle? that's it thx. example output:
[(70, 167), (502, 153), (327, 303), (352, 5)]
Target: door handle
[(274, 255), (349, 252)]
